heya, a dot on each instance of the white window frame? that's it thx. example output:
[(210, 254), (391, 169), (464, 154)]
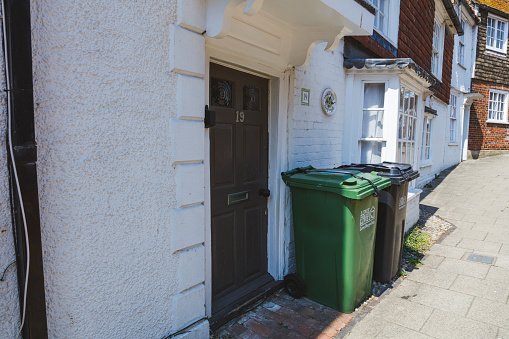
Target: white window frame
[(453, 118), (426, 142), (382, 139), (493, 47), (406, 142), (390, 28), (461, 46), (503, 103), (437, 46)]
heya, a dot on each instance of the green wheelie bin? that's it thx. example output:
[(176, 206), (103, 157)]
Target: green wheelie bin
[(334, 220)]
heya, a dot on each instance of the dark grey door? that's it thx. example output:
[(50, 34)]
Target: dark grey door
[(238, 166)]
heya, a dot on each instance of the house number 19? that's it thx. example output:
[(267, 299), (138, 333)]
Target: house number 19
[(240, 116)]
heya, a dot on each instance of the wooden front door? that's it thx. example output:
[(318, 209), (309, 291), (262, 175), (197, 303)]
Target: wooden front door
[(238, 175)]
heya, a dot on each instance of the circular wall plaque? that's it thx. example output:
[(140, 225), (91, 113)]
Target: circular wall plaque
[(329, 101)]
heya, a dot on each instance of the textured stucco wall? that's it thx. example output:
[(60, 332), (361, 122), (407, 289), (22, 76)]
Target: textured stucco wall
[(315, 138), (9, 302), (104, 97)]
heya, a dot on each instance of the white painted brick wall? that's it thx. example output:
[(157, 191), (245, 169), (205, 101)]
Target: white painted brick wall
[(314, 137), (412, 208)]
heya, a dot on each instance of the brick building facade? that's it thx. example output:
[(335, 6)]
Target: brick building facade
[(414, 41), (489, 124), (405, 68)]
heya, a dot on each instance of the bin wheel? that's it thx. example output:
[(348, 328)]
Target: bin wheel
[(294, 285)]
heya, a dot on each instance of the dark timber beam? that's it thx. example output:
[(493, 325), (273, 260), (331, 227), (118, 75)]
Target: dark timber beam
[(19, 69)]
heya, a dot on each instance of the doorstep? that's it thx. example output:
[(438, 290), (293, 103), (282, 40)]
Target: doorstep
[(282, 316)]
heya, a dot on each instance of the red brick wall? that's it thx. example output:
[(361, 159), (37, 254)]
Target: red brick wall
[(374, 46), (416, 31), (444, 89), (415, 41), (482, 135)]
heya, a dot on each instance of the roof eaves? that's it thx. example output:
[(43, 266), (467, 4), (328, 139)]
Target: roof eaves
[(494, 10), (381, 64), (454, 17)]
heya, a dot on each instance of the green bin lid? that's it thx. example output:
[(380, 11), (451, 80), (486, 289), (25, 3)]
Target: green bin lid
[(336, 181)]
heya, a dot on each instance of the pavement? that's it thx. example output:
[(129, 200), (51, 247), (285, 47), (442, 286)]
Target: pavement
[(462, 290)]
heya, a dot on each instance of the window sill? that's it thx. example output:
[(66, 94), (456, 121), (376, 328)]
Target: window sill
[(454, 144), (437, 78), (497, 122), (373, 139), (496, 52), (426, 164)]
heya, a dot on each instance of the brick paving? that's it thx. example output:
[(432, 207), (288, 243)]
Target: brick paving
[(282, 316)]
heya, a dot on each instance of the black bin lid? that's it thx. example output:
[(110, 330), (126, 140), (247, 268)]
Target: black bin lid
[(399, 173)]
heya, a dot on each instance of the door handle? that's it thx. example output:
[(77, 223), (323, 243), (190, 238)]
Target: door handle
[(264, 192)]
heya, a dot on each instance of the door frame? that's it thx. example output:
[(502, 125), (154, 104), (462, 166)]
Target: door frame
[(279, 86)]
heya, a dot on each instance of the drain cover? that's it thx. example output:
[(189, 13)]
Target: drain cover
[(481, 258)]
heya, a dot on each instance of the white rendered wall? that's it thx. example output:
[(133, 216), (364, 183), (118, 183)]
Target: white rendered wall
[(9, 302), (462, 73), (439, 145), (315, 138), (120, 198), (443, 152)]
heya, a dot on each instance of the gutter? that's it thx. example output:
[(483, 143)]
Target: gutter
[(454, 17), (23, 167), (494, 11)]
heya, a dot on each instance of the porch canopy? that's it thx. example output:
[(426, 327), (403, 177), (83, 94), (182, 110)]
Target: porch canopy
[(308, 22)]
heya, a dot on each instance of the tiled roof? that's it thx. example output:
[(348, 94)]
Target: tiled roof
[(501, 5), (380, 64)]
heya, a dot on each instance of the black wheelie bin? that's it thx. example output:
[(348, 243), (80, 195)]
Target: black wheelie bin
[(390, 228)]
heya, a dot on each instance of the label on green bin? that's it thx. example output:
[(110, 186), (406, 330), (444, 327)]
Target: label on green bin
[(368, 218)]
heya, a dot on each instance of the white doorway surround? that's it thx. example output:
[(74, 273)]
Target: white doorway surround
[(269, 39), (265, 38)]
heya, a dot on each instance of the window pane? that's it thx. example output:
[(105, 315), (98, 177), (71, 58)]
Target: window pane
[(372, 124), (371, 152), (251, 98), (221, 93), (401, 99), (374, 95), (400, 124)]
